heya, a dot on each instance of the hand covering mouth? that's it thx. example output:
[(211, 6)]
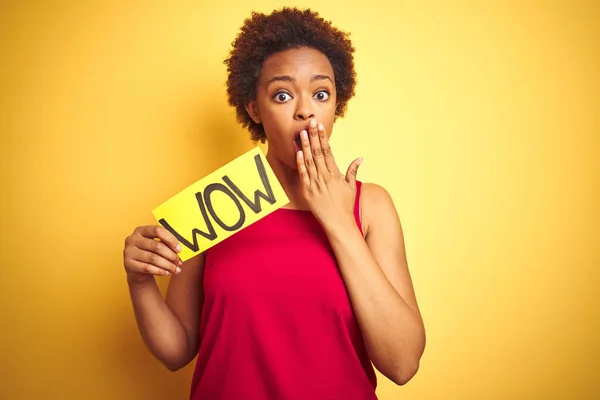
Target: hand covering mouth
[(297, 140)]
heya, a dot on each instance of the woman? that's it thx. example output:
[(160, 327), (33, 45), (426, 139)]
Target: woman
[(302, 303)]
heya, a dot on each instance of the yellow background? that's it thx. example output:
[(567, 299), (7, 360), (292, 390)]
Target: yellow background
[(481, 119)]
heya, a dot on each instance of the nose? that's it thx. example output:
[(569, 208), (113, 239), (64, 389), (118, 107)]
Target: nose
[(304, 110)]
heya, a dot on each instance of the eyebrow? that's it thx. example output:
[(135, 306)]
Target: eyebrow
[(287, 78)]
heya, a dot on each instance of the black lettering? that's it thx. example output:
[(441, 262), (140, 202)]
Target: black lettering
[(211, 235), (269, 197), (219, 186)]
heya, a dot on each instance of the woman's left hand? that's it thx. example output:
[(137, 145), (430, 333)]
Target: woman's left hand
[(329, 194)]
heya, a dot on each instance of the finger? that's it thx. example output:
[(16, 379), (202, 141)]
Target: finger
[(304, 178), (309, 162), (148, 257), (159, 232), (353, 171), (143, 268), (317, 153), (160, 248), (326, 148)]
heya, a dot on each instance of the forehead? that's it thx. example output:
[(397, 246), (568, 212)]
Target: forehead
[(295, 62)]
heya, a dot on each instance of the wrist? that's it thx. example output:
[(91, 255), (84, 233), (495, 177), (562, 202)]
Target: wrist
[(139, 280), (340, 226)]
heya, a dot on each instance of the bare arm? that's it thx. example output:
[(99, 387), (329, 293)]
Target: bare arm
[(376, 274), (374, 268), (170, 326)]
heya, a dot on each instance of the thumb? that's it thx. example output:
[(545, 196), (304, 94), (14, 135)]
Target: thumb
[(352, 171)]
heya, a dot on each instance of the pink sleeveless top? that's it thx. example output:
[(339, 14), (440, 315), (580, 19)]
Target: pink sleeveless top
[(277, 322)]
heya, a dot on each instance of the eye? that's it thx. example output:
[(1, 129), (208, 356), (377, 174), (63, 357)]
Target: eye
[(282, 97), (322, 95)]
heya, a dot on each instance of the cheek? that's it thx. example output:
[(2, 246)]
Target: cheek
[(276, 125), (269, 117), (330, 113), (329, 126)]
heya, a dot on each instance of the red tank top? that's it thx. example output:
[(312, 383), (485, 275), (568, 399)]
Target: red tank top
[(277, 322)]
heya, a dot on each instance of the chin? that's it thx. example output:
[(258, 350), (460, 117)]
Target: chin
[(289, 159), (292, 163)]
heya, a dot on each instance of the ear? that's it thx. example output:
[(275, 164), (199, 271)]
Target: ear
[(252, 110)]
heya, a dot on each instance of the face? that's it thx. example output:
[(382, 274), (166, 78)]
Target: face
[(294, 86)]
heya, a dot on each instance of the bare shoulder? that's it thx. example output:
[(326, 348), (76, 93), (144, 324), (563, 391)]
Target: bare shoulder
[(374, 193), (377, 206), (384, 236)]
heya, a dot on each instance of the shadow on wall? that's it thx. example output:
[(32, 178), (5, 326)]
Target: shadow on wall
[(215, 139)]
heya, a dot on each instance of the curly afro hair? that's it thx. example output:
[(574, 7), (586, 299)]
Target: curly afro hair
[(263, 35)]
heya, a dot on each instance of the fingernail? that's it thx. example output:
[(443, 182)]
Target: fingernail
[(177, 270), (304, 135), (178, 248), (167, 273), (360, 160), (321, 127), (179, 262), (312, 123)]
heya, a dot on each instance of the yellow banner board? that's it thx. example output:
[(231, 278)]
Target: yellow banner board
[(222, 203)]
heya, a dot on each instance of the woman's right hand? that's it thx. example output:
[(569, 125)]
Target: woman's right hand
[(144, 256)]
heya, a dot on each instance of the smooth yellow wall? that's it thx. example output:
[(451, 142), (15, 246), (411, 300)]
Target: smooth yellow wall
[(481, 118)]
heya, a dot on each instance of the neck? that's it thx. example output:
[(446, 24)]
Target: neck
[(289, 180)]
